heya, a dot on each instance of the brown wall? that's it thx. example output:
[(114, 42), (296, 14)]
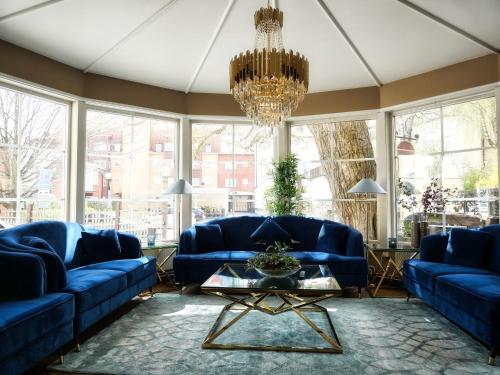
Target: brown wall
[(464, 75), (212, 104), (339, 101), (132, 93), (21, 63), (27, 65)]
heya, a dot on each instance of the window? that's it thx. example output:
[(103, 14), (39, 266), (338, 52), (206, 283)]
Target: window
[(33, 158), (230, 182), (125, 185), (333, 157), (237, 153), (457, 145)]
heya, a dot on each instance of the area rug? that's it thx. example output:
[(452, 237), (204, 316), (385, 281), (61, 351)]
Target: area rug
[(163, 335)]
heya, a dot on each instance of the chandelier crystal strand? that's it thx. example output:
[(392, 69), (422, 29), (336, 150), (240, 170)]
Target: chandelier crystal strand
[(269, 83)]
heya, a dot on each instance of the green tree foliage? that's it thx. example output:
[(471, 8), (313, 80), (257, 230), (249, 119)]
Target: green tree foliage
[(285, 195)]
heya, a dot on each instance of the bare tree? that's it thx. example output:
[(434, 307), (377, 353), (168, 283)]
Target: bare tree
[(338, 142), (31, 133)]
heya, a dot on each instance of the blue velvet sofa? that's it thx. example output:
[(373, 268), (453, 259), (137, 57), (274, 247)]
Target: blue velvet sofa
[(200, 256), (50, 294), (467, 293)]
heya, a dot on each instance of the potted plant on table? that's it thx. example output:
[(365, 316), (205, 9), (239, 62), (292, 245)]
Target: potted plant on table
[(274, 261)]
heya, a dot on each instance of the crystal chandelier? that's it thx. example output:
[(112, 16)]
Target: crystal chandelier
[(269, 83)]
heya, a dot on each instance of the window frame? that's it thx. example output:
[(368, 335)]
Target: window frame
[(438, 105), (147, 115), (334, 119), (68, 149)]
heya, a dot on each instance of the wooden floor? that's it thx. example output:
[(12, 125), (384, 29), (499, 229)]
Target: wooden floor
[(392, 292)]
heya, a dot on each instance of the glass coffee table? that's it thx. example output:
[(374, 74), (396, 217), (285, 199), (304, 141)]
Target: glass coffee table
[(247, 290)]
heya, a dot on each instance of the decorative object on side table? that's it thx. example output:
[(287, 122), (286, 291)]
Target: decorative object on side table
[(392, 242), (275, 262), (151, 238)]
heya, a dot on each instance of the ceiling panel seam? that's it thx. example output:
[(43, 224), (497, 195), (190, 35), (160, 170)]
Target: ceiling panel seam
[(210, 45), (129, 35), (29, 9), (348, 40), (448, 25)]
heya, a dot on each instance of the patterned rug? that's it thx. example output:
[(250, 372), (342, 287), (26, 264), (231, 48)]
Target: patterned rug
[(163, 335)]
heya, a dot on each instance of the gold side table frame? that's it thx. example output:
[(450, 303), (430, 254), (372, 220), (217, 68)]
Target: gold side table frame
[(256, 301), (395, 265)]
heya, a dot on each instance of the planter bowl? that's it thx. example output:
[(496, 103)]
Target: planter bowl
[(277, 273)]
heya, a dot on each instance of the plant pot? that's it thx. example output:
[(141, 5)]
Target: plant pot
[(415, 233), (277, 273)]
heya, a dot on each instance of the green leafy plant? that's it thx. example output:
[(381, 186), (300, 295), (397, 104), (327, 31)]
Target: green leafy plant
[(284, 197), (275, 257)]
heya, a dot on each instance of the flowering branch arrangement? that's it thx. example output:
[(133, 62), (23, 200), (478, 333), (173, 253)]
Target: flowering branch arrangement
[(435, 197)]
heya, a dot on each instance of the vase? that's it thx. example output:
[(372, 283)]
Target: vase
[(415, 232), (277, 273), (424, 229)]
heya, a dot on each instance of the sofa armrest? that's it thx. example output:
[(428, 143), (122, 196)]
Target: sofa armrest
[(354, 244), (130, 245), (433, 247), (54, 267), (187, 242), (22, 276)]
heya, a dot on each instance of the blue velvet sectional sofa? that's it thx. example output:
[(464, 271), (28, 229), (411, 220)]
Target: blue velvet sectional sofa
[(459, 275), (205, 247), (54, 284)]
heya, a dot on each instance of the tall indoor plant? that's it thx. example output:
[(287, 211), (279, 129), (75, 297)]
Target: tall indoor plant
[(284, 197)]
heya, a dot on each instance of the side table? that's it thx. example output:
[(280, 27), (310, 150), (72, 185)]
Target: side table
[(156, 250), (395, 259)]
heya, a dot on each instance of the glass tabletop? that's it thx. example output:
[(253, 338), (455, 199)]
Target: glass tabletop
[(396, 249), (235, 278)]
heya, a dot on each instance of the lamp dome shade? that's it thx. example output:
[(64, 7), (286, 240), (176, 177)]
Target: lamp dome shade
[(179, 187), (367, 185)]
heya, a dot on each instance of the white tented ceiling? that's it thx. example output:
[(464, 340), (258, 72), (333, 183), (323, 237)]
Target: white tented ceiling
[(186, 45)]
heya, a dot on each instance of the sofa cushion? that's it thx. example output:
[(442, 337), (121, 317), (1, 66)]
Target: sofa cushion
[(425, 273), (269, 232), (479, 295), (467, 247), (332, 238), (100, 246), (339, 264), (209, 238), (92, 286), (22, 322), (493, 257), (136, 269)]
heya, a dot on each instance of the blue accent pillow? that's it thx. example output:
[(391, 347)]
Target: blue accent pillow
[(36, 242), (209, 238), (332, 238), (467, 248), (100, 246), (269, 232)]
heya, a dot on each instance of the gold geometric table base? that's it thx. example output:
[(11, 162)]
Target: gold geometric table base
[(300, 307)]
